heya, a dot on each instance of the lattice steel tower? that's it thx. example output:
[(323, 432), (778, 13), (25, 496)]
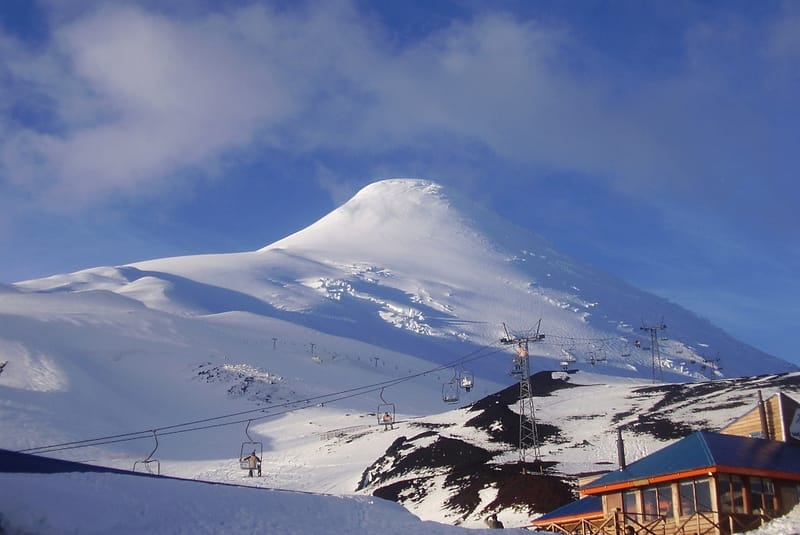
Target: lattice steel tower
[(528, 436), (655, 351)]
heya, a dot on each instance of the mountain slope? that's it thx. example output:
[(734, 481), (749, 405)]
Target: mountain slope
[(463, 463), (411, 267), (298, 345)]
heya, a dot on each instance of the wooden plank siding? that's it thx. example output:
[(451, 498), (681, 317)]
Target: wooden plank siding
[(779, 410)]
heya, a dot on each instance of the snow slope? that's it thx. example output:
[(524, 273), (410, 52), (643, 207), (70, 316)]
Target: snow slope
[(297, 346), (411, 267), (110, 503), (107, 503), (584, 443)]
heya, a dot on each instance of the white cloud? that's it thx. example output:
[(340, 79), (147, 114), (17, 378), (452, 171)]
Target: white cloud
[(154, 95), (138, 97)]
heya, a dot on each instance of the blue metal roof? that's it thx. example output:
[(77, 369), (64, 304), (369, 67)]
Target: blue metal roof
[(584, 506), (705, 450)]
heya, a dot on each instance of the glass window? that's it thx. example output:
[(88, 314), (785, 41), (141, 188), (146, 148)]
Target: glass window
[(762, 495), (686, 491), (731, 494), (650, 504), (724, 484), (737, 487), (629, 501), (657, 501), (694, 495), (702, 492), (665, 501)]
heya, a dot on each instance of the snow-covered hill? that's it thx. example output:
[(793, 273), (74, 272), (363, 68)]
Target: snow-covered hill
[(408, 266), (454, 467), (380, 304)]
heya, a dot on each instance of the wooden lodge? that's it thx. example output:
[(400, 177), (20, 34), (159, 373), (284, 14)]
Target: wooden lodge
[(706, 483)]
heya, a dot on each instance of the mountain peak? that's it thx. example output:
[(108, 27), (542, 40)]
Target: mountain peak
[(414, 267), (402, 216)]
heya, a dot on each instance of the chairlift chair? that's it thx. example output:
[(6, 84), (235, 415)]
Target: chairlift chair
[(147, 464), (386, 411), (450, 389), (450, 392), (467, 381), (249, 446)]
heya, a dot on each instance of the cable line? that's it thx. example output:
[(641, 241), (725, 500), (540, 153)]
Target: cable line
[(288, 406)]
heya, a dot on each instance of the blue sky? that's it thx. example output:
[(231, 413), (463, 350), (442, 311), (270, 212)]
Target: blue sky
[(655, 140)]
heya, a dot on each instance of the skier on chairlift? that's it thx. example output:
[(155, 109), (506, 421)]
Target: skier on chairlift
[(253, 463), (388, 421)]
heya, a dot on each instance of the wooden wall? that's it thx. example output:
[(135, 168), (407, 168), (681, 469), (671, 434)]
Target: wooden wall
[(779, 410)]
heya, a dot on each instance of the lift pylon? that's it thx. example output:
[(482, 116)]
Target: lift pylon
[(528, 437)]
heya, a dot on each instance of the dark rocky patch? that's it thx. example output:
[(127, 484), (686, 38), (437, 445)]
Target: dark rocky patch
[(468, 471), (403, 457), (496, 418), (404, 473), (722, 406), (673, 394), (618, 417), (533, 491), (498, 421), (540, 492), (542, 384), (355, 436), (660, 427), (413, 490), (427, 425), (786, 382)]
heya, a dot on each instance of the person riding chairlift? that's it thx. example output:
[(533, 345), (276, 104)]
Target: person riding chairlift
[(387, 420), (253, 463)]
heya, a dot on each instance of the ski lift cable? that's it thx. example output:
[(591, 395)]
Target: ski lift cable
[(328, 398), (137, 435), (174, 429), (99, 442), (555, 338)]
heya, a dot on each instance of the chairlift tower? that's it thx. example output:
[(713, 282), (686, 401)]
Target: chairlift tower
[(654, 350), (528, 437)]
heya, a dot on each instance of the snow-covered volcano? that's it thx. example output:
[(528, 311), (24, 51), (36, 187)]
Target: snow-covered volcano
[(297, 345), (409, 266)]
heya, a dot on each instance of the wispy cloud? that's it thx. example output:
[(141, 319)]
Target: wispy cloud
[(123, 99)]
